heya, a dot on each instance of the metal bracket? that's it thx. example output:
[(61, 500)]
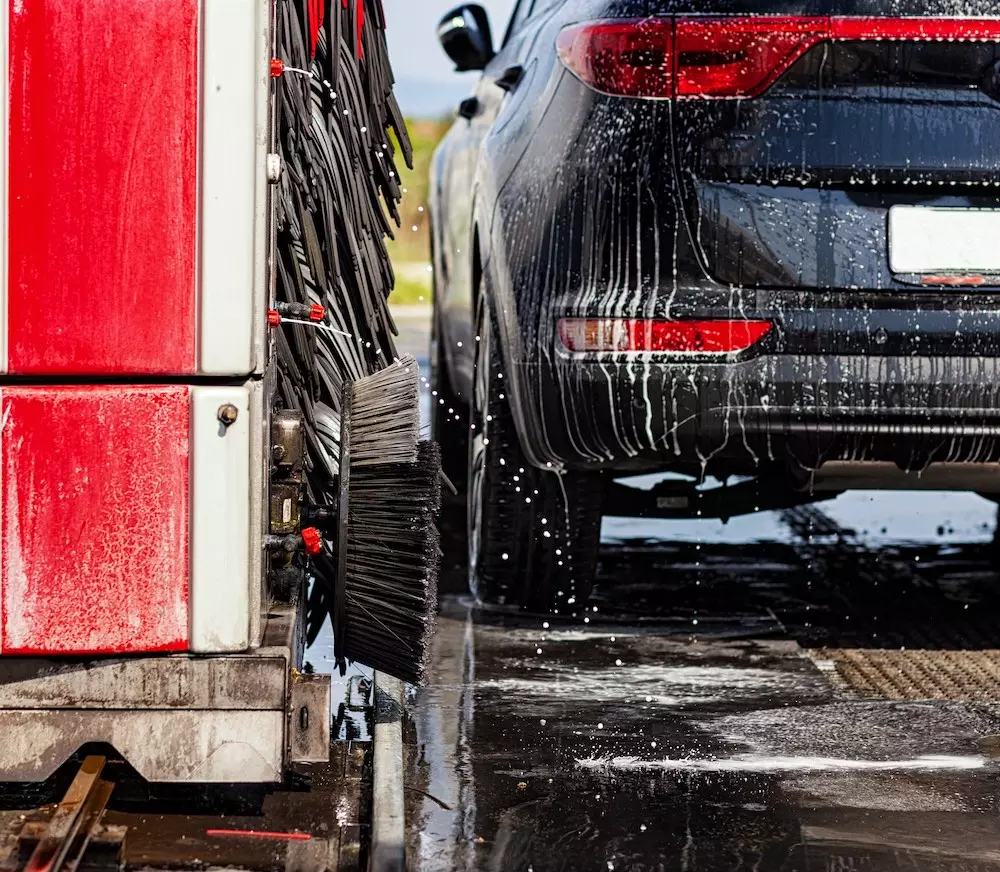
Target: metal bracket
[(309, 719)]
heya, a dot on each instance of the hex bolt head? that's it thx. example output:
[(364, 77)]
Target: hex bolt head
[(228, 414)]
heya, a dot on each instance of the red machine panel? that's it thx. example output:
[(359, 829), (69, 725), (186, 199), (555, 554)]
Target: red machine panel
[(102, 186), (95, 519)]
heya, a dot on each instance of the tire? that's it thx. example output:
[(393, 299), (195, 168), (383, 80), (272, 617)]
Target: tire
[(533, 534), (449, 417)]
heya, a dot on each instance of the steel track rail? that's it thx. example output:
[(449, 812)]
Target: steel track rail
[(74, 821)]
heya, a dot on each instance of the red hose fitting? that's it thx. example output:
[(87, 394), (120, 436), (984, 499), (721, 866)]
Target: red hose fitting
[(313, 540)]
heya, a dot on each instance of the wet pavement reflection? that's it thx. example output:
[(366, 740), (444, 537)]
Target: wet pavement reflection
[(703, 717)]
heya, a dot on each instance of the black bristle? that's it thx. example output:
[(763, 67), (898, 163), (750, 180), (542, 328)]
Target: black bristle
[(393, 560), (385, 415), (337, 200)]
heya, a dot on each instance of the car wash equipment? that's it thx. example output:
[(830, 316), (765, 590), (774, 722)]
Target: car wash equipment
[(385, 557), (194, 295), (376, 579)]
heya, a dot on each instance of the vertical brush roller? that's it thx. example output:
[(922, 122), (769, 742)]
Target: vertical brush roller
[(391, 565), (376, 577), (387, 555)]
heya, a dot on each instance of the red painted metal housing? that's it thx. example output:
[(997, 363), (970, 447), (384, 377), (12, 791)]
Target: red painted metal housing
[(133, 172), (103, 180), (94, 483)]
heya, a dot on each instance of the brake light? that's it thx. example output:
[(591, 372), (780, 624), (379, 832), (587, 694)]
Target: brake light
[(741, 57), (668, 337), (732, 56), (629, 57)]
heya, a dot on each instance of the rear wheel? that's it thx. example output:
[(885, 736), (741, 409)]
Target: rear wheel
[(533, 533)]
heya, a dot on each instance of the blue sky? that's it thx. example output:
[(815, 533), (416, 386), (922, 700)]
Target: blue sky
[(425, 82)]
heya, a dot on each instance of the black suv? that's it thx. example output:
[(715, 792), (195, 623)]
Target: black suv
[(716, 238)]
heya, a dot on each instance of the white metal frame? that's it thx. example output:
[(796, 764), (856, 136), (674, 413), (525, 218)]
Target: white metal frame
[(233, 186)]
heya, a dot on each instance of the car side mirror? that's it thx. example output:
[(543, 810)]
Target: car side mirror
[(466, 37)]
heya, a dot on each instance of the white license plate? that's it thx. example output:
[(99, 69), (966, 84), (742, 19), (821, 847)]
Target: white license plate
[(925, 239)]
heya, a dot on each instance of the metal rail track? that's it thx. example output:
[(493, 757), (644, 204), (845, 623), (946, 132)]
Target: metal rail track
[(64, 841)]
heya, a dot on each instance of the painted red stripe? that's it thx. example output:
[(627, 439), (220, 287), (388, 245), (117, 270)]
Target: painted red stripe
[(102, 186), (94, 482)]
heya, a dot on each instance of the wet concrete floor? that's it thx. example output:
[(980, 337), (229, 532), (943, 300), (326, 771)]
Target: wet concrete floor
[(697, 721), (694, 714)]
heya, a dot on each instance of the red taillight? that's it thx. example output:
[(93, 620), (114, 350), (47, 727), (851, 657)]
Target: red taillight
[(628, 58), (731, 56), (739, 57), (668, 337)]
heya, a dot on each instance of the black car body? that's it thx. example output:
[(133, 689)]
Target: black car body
[(721, 238)]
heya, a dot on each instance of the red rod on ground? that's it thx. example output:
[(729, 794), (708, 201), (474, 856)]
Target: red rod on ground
[(262, 834)]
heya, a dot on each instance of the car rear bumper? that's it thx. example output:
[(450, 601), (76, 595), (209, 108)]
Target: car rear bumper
[(643, 413)]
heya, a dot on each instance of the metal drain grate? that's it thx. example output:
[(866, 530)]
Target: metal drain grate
[(915, 674)]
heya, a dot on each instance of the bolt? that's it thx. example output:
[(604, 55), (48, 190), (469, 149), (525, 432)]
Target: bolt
[(228, 414)]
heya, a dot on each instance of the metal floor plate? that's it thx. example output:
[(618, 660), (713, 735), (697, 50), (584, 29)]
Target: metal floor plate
[(972, 676)]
